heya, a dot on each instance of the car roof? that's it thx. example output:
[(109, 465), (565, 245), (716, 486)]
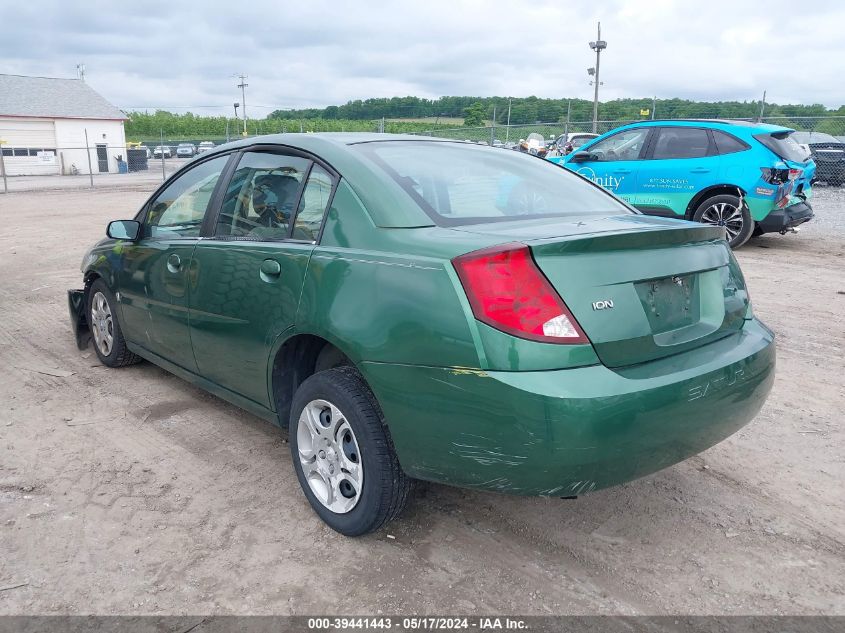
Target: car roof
[(735, 124)]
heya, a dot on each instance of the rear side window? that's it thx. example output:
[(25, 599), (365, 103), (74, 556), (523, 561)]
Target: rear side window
[(727, 144), (312, 206), (782, 144), (458, 183), (681, 142)]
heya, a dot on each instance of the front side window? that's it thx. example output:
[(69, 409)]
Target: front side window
[(625, 145), (312, 207), (457, 183), (178, 211), (261, 197), (681, 142)]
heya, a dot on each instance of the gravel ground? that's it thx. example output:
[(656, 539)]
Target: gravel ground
[(132, 492)]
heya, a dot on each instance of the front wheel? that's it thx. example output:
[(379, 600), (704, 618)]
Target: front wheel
[(105, 330), (727, 211), (343, 455)]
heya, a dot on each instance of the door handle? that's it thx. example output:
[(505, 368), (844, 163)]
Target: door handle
[(270, 270), (174, 263), (700, 170)]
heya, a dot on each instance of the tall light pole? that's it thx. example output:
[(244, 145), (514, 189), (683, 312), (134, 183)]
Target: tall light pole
[(243, 86), (598, 46)]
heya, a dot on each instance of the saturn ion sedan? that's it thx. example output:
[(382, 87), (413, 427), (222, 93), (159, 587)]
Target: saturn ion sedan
[(420, 309)]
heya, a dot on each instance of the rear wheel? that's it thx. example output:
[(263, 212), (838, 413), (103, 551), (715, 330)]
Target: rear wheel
[(343, 454), (727, 211)]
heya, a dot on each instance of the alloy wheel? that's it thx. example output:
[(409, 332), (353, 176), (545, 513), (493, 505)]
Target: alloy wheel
[(102, 324), (329, 456), (726, 215)]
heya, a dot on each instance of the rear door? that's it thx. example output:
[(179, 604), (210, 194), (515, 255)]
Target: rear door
[(680, 162), (153, 281), (248, 275), (616, 161)]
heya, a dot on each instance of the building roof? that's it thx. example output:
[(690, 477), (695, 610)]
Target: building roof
[(46, 97)]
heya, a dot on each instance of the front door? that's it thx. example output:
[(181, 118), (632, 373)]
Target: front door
[(614, 161), (153, 282), (103, 158), (249, 274)]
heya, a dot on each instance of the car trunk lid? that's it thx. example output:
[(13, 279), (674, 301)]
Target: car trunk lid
[(640, 287)]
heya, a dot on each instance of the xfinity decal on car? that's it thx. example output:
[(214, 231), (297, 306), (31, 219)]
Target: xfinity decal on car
[(609, 182)]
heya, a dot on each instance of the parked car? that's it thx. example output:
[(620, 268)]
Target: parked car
[(204, 146), (368, 293), (567, 143), (749, 178), (186, 150), (163, 150), (827, 152)]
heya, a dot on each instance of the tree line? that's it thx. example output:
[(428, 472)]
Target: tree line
[(450, 112), (534, 109)]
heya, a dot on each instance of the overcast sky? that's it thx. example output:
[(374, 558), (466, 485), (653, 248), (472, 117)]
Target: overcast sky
[(178, 55)]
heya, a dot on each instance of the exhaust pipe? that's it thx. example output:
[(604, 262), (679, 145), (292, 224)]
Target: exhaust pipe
[(791, 229)]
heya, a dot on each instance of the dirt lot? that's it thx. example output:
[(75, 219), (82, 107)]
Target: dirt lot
[(130, 491)]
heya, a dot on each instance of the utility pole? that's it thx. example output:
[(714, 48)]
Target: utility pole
[(493, 127), (653, 106), (3, 168), (80, 71), (566, 126), (598, 46), (88, 154), (161, 146), (243, 86), (762, 108), (508, 124)]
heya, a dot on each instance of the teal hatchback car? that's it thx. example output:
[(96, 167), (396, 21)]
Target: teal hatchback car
[(750, 178), (382, 298)]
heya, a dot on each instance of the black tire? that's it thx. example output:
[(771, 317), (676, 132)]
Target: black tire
[(709, 212), (385, 488), (118, 354)]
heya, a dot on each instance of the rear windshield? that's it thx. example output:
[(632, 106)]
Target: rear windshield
[(782, 144), (456, 183), (814, 137)]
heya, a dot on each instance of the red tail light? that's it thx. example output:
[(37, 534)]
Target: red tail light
[(508, 292), (795, 174)]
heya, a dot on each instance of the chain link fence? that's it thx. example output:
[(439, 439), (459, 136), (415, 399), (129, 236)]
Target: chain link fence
[(147, 163), (830, 125)]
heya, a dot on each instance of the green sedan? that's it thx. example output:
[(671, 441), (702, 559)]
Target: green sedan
[(412, 308)]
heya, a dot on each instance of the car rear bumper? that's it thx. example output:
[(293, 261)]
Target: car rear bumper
[(567, 432), (781, 220)]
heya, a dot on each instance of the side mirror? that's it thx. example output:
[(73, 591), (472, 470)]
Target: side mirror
[(582, 157), (124, 230)]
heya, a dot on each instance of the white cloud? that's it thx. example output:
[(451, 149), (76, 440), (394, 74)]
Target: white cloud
[(166, 54)]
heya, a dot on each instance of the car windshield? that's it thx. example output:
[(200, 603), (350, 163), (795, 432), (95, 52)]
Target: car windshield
[(782, 144), (456, 183)]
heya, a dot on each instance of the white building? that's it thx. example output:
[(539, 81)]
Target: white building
[(43, 125)]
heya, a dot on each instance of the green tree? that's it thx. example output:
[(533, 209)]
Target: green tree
[(474, 115)]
